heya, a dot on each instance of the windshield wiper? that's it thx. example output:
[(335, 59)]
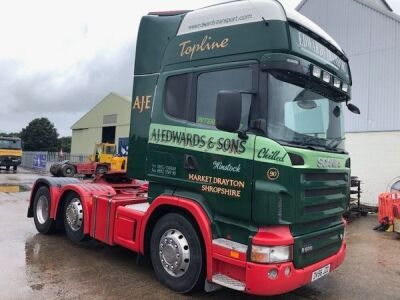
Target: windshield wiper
[(299, 144)]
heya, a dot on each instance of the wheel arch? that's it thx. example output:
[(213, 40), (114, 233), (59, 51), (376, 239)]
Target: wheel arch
[(165, 204), (54, 184)]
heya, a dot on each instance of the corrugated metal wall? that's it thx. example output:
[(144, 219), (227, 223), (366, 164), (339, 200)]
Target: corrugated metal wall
[(371, 40)]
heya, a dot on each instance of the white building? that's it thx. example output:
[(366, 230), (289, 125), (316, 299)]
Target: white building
[(369, 32)]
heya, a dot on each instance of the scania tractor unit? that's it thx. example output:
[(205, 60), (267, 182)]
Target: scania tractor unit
[(237, 172)]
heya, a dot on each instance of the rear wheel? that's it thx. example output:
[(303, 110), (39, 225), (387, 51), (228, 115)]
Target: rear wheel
[(68, 170), (74, 218), (8, 168), (15, 168), (41, 211), (101, 170), (177, 254)]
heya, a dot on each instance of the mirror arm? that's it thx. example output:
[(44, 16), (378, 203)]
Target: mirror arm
[(242, 134)]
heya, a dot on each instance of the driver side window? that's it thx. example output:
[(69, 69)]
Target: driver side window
[(210, 83)]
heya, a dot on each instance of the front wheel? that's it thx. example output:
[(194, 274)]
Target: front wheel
[(177, 253), (74, 218)]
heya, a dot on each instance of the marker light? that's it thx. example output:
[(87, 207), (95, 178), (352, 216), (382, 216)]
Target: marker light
[(276, 254), (293, 61), (316, 72), (326, 77), (345, 87), (336, 83)]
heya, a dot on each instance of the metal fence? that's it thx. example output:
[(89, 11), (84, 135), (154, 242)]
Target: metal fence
[(41, 161)]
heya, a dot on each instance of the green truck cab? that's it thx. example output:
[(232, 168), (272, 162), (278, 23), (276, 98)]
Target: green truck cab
[(237, 129), (240, 107)]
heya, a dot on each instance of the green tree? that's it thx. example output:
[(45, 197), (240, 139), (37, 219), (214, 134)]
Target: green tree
[(65, 143), (11, 134), (40, 135)]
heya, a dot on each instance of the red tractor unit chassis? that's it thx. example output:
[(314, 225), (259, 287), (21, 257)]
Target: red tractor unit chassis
[(114, 209)]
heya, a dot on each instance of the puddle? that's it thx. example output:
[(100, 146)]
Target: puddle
[(14, 188)]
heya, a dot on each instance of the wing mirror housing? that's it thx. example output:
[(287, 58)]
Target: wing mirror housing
[(354, 109), (228, 112)]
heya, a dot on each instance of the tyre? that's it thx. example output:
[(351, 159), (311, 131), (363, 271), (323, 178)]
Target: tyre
[(68, 171), (101, 170), (7, 168), (74, 218), (177, 254), (41, 211), (15, 168)]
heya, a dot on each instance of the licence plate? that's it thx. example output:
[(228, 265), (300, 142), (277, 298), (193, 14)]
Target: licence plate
[(320, 273)]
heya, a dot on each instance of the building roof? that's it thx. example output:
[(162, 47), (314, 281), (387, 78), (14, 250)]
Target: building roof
[(78, 124), (380, 6), (384, 2)]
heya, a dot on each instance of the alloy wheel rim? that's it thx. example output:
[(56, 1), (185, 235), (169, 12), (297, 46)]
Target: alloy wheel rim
[(74, 214), (42, 209), (174, 253)]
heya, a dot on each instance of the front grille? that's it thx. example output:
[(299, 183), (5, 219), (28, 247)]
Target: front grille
[(322, 192), (325, 176), (321, 203), (322, 207)]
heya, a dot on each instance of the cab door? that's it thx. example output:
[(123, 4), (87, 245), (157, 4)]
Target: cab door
[(166, 139), (218, 164)]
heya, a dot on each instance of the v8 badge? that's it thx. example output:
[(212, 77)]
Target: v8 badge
[(272, 174)]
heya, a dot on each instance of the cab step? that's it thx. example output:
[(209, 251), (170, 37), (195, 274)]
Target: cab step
[(228, 282)]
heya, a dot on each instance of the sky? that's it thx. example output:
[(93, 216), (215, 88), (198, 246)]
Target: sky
[(60, 58)]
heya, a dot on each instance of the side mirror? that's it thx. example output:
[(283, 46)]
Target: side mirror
[(354, 109), (229, 111)]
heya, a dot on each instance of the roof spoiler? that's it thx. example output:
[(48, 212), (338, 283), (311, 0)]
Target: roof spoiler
[(168, 13)]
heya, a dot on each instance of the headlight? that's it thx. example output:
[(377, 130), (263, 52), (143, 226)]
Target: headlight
[(267, 255)]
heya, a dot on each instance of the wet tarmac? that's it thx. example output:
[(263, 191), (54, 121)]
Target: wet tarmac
[(35, 266)]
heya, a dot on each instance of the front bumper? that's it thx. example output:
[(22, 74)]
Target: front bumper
[(10, 161), (258, 283)]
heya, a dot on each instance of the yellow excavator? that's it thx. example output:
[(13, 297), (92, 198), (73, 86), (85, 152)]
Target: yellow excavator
[(102, 160)]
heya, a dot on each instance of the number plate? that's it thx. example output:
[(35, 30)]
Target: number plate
[(320, 273)]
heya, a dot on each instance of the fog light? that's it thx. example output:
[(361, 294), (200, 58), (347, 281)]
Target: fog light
[(326, 77), (288, 270), (336, 83), (316, 72), (273, 274)]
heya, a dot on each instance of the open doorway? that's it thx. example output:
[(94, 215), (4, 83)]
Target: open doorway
[(108, 135)]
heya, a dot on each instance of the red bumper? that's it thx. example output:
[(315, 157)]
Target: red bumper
[(258, 283)]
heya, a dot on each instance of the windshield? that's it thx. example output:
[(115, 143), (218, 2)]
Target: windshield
[(10, 144), (300, 117)]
